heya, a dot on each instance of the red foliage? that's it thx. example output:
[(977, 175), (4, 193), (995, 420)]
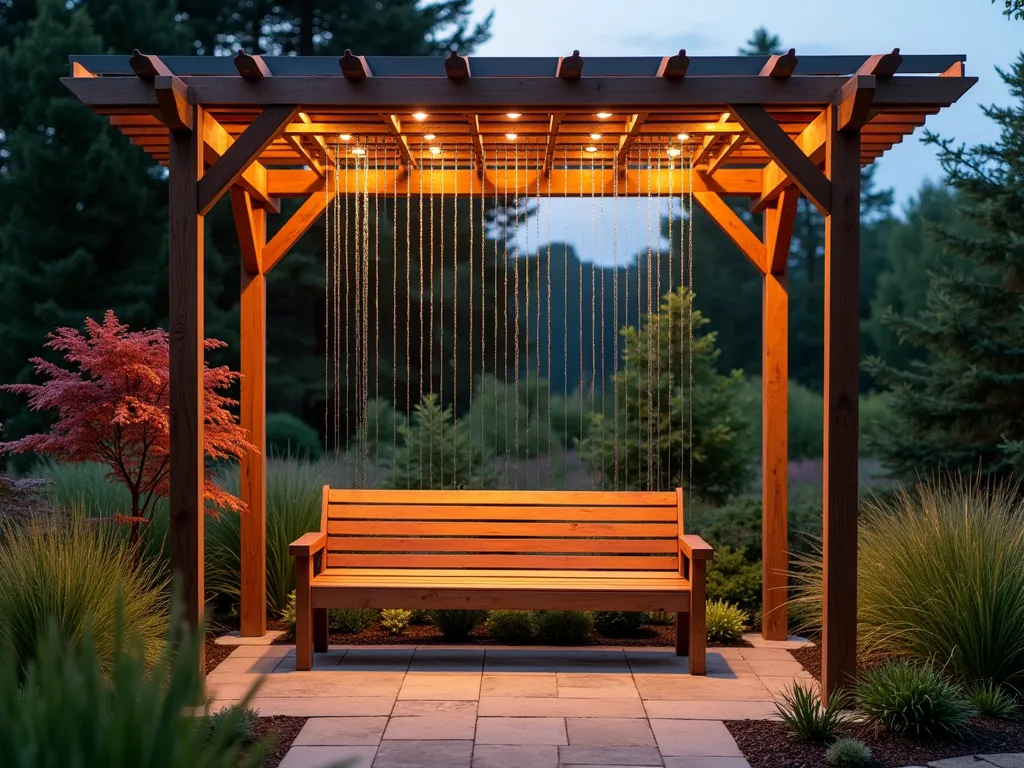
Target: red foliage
[(113, 408)]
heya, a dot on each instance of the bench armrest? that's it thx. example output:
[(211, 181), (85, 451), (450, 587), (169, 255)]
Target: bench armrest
[(695, 548), (308, 544)]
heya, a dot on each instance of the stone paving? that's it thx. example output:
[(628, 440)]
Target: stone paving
[(509, 707)]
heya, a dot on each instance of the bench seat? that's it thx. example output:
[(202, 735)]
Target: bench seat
[(487, 550)]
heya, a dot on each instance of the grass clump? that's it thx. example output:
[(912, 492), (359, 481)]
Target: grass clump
[(914, 699), (75, 576), (809, 718), (457, 624), (619, 623), (725, 622), (952, 585), (395, 620), (239, 721), (848, 753), (563, 627), (991, 700), (351, 621), (512, 627)]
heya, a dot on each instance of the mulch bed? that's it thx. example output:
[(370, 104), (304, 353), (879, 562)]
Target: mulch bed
[(768, 744), (215, 653), (283, 731), (649, 636)]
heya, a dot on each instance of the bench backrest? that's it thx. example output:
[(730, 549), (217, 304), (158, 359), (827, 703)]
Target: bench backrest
[(497, 530)]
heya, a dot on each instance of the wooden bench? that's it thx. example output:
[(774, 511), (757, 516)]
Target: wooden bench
[(550, 550)]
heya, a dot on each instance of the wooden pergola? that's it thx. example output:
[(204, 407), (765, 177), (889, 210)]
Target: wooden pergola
[(768, 129)]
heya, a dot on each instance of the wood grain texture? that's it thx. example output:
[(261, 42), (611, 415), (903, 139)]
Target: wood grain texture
[(734, 228), (506, 498), (478, 512), (296, 226), (303, 613), (174, 108), (698, 617), (778, 229), (464, 561), (512, 529), (839, 476), (186, 298), (252, 413), (856, 100), (810, 141), (217, 142), (507, 545)]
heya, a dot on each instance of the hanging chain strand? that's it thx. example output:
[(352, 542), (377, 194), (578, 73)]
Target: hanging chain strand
[(408, 303), (625, 345), (549, 324), (394, 312), (582, 382), (327, 303), (515, 310), (472, 244), (651, 326), (364, 405), (565, 316), (671, 349), (455, 319), (441, 358), (536, 215), (430, 335), (657, 339), (376, 300), (505, 307), (422, 328), (689, 258), (615, 322)]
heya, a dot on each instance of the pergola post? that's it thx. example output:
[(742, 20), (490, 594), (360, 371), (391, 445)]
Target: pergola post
[(186, 368), (250, 223), (839, 476), (778, 230)]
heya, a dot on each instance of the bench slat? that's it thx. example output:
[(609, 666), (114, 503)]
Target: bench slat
[(507, 498), (418, 511), (540, 562), (442, 574), (608, 546), (509, 529)]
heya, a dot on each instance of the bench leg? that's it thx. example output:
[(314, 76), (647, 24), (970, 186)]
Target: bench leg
[(303, 614), (698, 618), (321, 633), (682, 634)]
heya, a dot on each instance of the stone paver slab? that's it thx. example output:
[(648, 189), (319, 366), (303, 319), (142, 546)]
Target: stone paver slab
[(766, 654), (377, 659), (967, 761), (325, 706), (532, 660), (1015, 760), (609, 756), (321, 661), (246, 665), (495, 706), (609, 732), (776, 685), (334, 683), (706, 762), (424, 754), (589, 685), (710, 710), (701, 688), (338, 731), (441, 686), (793, 641), (417, 707), (521, 730), (448, 659), (768, 668), (505, 756), (693, 738), (322, 757), (262, 651), (234, 638), (530, 684), (445, 726)]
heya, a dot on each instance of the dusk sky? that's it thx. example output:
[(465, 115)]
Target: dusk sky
[(976, 28)]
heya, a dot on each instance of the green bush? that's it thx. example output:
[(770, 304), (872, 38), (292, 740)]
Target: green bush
[(288, 614), (848, 753), (811, 720), (456, 624), (991, 700), (72, 707), (725, 622), (951, 583), (294, 491), (240, 721), (290, 436), (437, 453), (914, 699), (419, 616), (395, 620), (732, 578), (563, 627), (661, 618), (511, 627), (619, 623), (351, 621), (73, 575)]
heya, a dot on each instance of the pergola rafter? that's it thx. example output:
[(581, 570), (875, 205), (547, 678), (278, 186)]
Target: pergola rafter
[(763, 129)]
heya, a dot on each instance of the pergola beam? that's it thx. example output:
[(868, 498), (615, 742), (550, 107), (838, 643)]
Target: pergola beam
[(734, 227), (173, 101), (630, 131), (394, 127), (296, 227), (734, 143), (856, 100), (217, 141)]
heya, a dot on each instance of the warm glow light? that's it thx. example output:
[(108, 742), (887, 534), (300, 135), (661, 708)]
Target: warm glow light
[(421, 116), (673, 152), (683, 136), (358, 151), (604, 115), (595, 136), (591, 148), (429, 136), (513, 115), (344, 136), (435, 150), (511, 136)]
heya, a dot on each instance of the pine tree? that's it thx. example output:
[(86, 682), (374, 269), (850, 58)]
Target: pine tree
[(648, 443), (962, 407), (436, 453)]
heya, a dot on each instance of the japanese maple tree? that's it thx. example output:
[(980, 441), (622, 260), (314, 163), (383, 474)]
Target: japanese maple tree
[(112, 400)]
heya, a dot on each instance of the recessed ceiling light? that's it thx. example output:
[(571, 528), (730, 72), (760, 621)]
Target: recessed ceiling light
[(683, 136), (595, 136), (513, 115), (511, 136), (591, 148), (604, 115), (344, 136), (421, 116), (429, 136), (435, 150), (674, 152), (358, 151)]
